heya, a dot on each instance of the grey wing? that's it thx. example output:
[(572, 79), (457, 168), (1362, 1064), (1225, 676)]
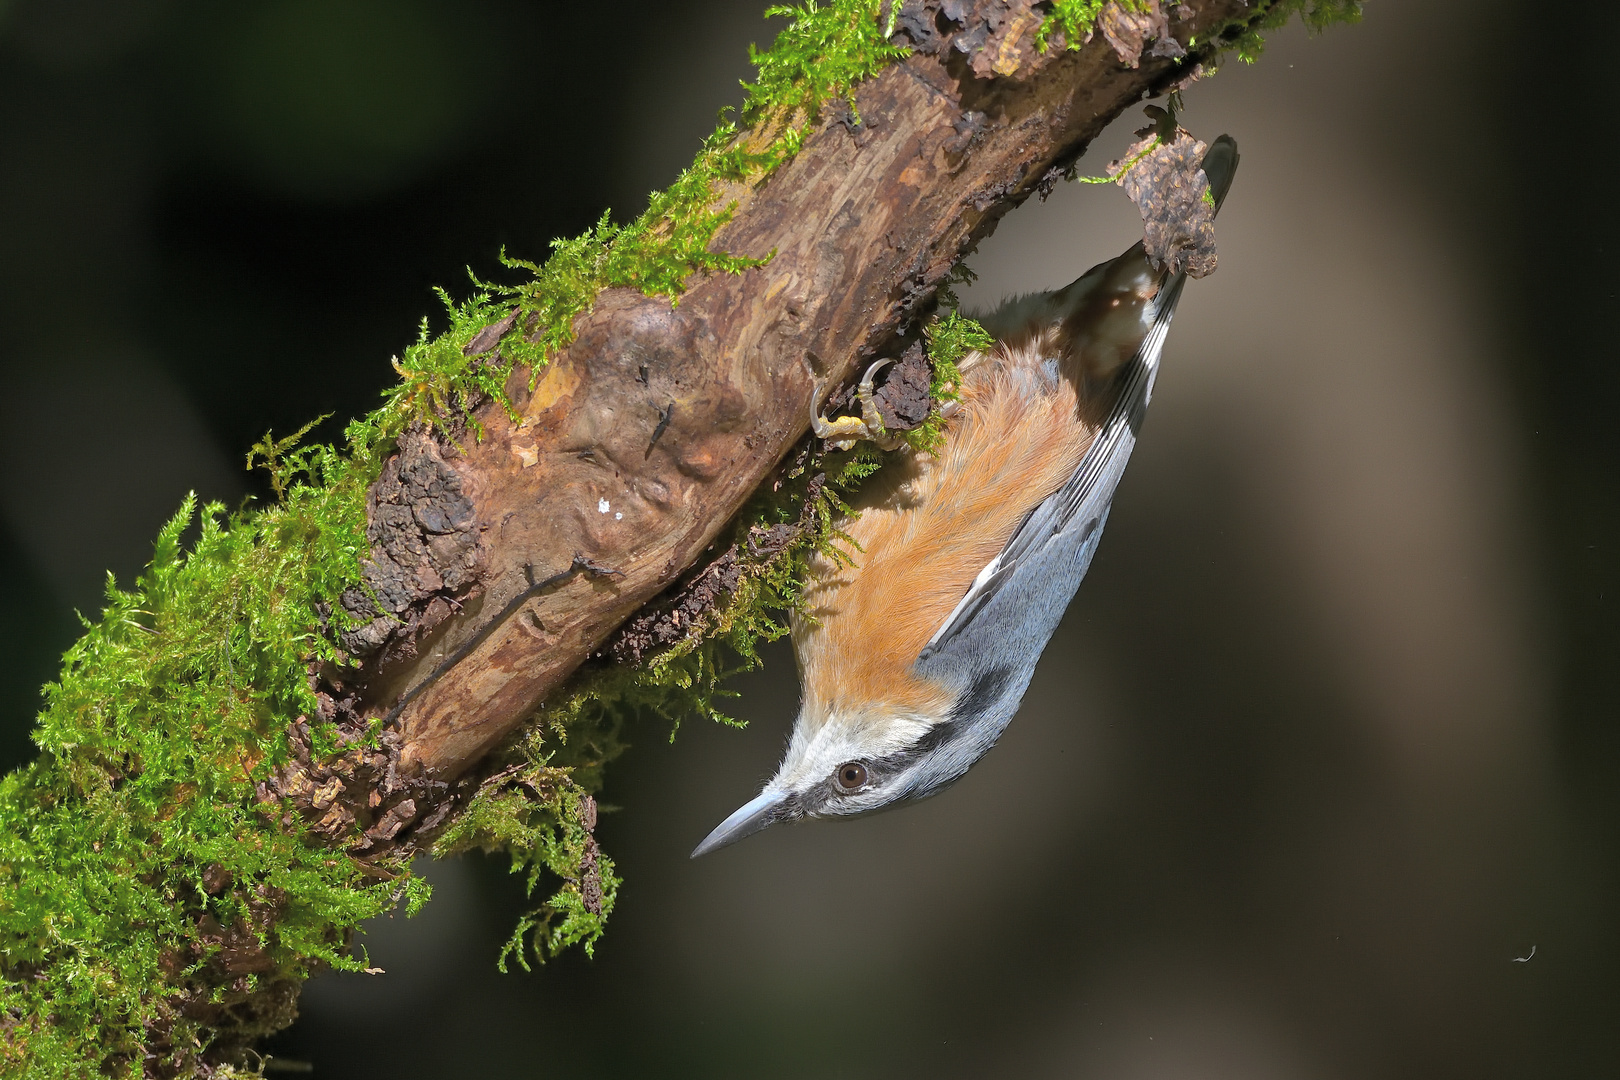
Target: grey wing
[(1083, 500)]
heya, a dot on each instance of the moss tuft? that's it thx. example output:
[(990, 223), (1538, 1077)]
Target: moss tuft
[(1075, 19), (950, 338), (542, 818), (823, 52), (136, 860), (1317, 15)]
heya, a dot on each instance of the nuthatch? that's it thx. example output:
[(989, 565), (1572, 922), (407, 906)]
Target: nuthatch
[(913, 661)]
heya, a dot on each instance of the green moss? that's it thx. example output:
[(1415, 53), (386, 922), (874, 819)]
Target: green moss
[(1075, 18), (538, 816), (950, 338), (822, 53), (168, 709)]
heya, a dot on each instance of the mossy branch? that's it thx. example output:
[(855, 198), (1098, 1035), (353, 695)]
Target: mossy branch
[(413, 647)]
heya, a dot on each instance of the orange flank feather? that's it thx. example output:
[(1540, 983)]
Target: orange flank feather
[(929, 525)]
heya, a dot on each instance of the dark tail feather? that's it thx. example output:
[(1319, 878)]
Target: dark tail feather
[(1220, 165)]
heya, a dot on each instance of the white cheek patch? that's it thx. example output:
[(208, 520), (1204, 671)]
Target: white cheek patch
[(813, 756)]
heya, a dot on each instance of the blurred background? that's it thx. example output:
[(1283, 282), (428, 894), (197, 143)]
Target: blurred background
[(1328, 740)]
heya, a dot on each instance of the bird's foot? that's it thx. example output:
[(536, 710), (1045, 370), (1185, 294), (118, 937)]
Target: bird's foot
[(843, 432)]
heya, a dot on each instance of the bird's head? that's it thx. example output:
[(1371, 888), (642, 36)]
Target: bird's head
[(846, 759)]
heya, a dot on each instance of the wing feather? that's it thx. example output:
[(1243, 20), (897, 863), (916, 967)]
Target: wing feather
[(1085, 497)]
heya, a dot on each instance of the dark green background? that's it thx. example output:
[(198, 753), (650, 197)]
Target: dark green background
[(1327, 740)]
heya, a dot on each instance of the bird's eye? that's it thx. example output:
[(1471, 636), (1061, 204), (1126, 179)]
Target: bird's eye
[(851, 775)]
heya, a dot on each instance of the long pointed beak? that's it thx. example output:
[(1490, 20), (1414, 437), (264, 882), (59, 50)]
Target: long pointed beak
[(749, 819)]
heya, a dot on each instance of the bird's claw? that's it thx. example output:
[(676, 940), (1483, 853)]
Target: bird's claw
[(843, 432)]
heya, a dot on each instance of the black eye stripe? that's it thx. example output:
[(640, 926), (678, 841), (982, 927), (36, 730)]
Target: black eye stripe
[(982, 693), (979, 696)]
